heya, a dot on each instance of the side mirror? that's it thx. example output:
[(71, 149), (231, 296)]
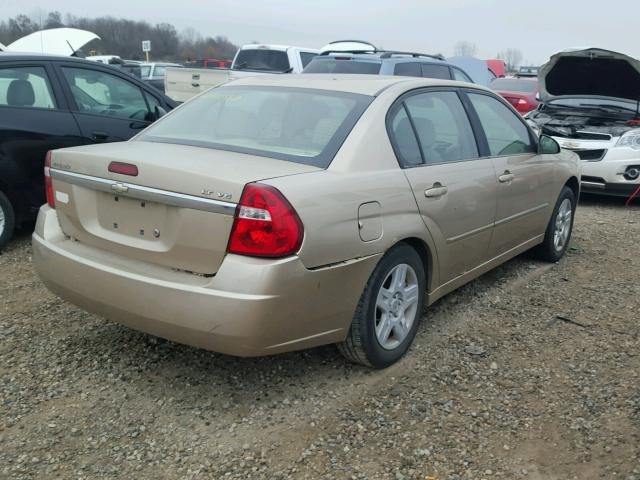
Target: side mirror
[(159, 112), (548, 146)]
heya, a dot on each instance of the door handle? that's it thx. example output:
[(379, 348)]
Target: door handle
[(195, 84), (99, 136), (506, 177), (436, 191), (137, 125)]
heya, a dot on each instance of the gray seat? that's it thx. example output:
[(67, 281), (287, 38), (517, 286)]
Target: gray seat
[(20, 94)]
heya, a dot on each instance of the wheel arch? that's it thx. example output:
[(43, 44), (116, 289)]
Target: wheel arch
[(426, 255), (574, 184)]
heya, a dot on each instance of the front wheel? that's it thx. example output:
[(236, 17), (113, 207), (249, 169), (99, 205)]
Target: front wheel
[(7, 220), (558, 233), (387, 316)]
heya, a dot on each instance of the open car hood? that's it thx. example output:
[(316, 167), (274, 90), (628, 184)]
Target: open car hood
[(590, 72), (55, 41)]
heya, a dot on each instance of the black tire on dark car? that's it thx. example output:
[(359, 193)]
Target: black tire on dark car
[(7, 220)]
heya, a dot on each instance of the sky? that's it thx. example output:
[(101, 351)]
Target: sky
[(537, 28)]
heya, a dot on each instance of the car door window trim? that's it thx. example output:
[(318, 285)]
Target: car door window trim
[(400, 101), (473, 113)]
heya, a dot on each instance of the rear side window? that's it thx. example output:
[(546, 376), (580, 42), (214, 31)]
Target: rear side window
[(160, 71), (430, 70), (442, 126), (331, 65), (262, 60), (505, 132), (408, 69), (25, 87), (460, 76), (295, 124), (404, 138)]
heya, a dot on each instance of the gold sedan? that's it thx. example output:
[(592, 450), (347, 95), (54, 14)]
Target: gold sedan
[(283, 212)]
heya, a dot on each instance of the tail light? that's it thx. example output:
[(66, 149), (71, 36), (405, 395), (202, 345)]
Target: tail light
[(523, 105), (266, 225), (48, 185)]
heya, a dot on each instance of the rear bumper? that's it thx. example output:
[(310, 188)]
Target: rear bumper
[(251, 307)]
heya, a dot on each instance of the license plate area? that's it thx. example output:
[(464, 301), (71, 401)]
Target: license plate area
[(132, 217)]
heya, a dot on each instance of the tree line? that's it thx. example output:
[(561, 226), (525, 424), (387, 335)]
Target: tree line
[(122, 37)]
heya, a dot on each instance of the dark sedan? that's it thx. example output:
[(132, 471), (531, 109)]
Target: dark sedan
[(49, 102)]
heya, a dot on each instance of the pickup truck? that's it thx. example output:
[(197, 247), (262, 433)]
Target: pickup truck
[(183, 83)]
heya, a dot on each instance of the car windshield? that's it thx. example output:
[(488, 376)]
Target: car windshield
[(514, 85), (597, 103), (295, 124), (330, 65), (262, 60)]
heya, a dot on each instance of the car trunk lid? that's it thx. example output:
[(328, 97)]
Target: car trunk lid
[(176, 212), (590, 72)]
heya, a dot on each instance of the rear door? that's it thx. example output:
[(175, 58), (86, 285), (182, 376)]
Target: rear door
[(34, 118), (108, 107), (524, 179), (454, 187)]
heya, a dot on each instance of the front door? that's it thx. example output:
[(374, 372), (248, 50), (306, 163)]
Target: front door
[(108, 108), (524, 179), (454, 188)]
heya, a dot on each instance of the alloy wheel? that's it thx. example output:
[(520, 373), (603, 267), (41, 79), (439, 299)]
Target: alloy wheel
[(563, 225), (396, 306)]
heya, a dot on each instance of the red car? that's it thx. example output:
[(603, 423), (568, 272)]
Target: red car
[(521, 92)]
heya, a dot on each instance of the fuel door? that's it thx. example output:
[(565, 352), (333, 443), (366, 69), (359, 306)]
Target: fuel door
[(370, 221)]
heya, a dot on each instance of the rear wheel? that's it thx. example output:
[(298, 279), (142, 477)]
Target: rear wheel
[(7, 220), (387, 316), (558, 234)]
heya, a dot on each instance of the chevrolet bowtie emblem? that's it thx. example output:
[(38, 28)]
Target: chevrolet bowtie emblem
[(119, 188)]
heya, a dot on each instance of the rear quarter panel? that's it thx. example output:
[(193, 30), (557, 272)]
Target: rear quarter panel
[(364, 170)]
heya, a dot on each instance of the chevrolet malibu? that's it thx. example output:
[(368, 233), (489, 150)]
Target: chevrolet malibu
[(278, 213)]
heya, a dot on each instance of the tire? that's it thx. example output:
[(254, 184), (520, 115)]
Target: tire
[(403, 301), (558, 233), (7, 220)]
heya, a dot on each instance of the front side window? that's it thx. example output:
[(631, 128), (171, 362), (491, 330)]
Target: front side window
[(296, 124), (505, 131), (262, 60), (442, 126), (306, 57), (101, 93), (25, 87)]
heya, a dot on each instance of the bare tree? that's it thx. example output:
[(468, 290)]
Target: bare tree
[(512, 57), (465, 49)]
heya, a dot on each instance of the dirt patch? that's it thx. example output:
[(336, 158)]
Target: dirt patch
[(530, 372)]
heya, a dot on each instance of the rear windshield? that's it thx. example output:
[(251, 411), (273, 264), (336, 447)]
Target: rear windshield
[(262, 60), (331, 65), (295, 124), (514, 85)]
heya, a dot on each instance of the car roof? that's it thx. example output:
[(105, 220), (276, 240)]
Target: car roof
[(26, 56), (380, 57), (370, 85)]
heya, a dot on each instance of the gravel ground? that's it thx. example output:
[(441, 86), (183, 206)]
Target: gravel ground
[(530, 372)]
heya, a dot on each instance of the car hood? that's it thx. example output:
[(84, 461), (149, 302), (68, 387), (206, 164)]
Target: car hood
[(590, 72), (55, 41)]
